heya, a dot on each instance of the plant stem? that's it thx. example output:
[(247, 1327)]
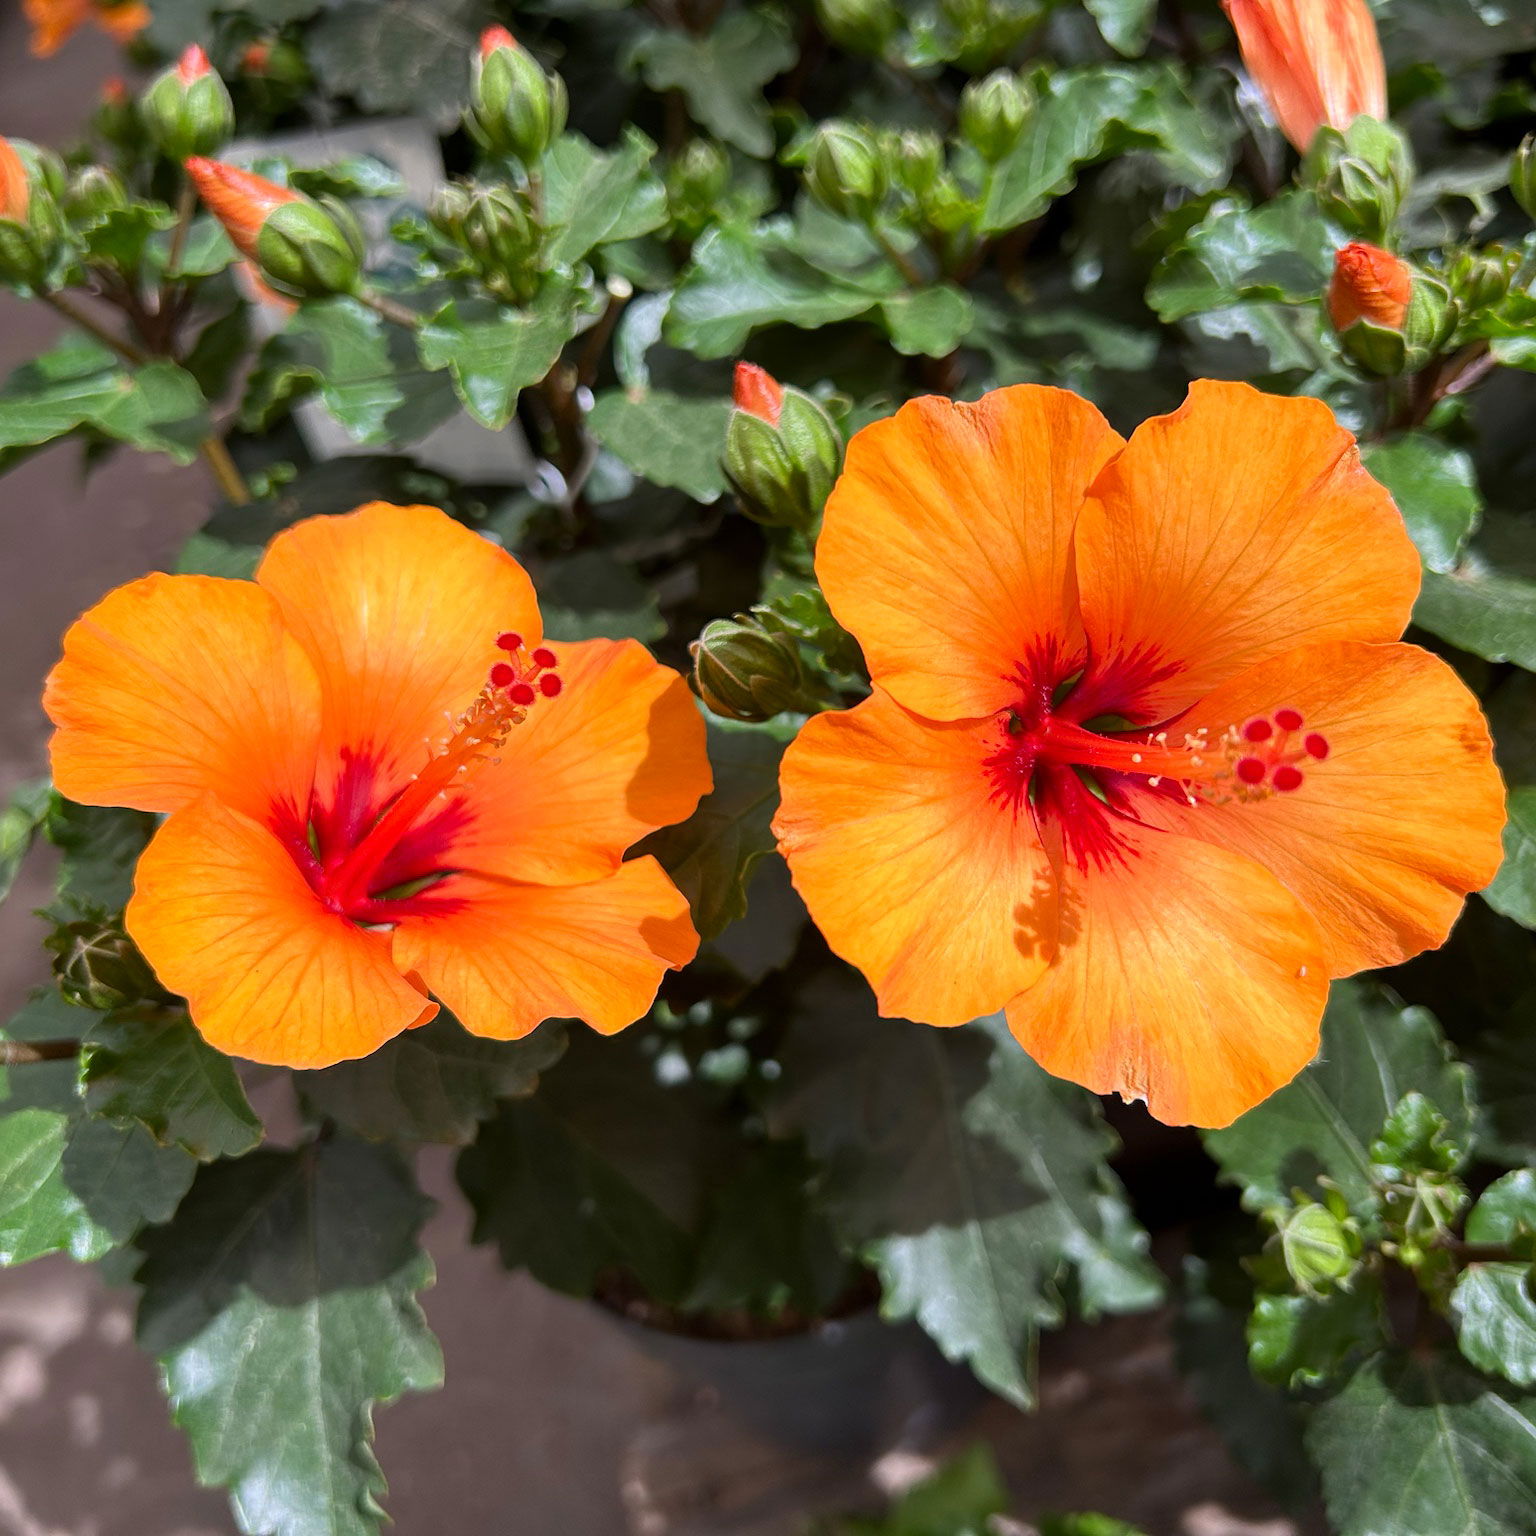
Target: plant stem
[(231, 481), (396, 314), (899, 259), (20, 1053), (186, 206), (619, 294), (93, 327)]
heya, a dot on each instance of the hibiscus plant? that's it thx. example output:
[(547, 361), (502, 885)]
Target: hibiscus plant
[(809, 614)]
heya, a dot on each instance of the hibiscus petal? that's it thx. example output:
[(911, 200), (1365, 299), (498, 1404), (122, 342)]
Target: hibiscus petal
[(619, 752), (1389, 832), (1233, 530), (505, 957), (940, 895), (946, 544), (1185, 975), (173, 686), (226, 919), (399, 609)]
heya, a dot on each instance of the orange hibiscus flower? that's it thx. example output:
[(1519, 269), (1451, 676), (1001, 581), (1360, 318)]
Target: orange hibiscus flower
[(54, 22), (1142, 764), (381, 782), (1318, 62)]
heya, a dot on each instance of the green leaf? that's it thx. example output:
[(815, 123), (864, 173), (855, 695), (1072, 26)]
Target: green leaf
[(958, 1499), (742, 278), (160, 1073), (79, 383), (1482, 610), (397, 55), (1373, 1052), (1297, 1341), (712, 855), (930, 322), (493, 353), (1085, 114), (593, 196), (1126, 24), (1492, 1305), (101, 848), (1435, 487), (1413, 1446), (1513, 891), (436, 1083), (364, 369), (552, 1186), (281, 1304), (1281, 251), (24, 813), (974, 1182), (668, 439), (721, 74), (118, 236), (69, 1181)]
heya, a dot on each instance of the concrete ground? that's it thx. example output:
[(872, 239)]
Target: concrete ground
[(553, 1421)]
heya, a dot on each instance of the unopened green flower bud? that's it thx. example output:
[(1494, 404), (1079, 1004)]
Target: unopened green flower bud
[(99, 966), (186, 110), (1522, 175), (846, 172), (1360, 176), (782, 451), (918, 158), (310, 249), (515, 107), (116, 119), (494, 226), (94, 192), (1480, 279), (1431, 321), (994, 113), (1319, 1248), (698, 177), (865, 26), (749, 668)]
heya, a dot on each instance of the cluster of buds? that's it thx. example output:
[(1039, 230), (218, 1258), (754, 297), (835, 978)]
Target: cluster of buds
[(186, 109), (33, 238), (1391, 318), (782, 451), (498, 233), (516, 108), (750, 668), (302, 248)]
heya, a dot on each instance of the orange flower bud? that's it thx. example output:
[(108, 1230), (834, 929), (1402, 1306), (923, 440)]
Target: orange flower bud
[(495, 37), (1369, 284), (114, 91), (192, 65), (1318, 62), (758, 393), (241, 201), (54, 22), (15, 193), (257, 57)]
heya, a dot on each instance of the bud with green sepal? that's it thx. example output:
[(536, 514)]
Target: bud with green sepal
[(515, 107), (994, 113), (93, 193), (865, 26), (33, 239), (1432, 319), (305, 249), (1360, 176), (1416, 1162), (98, 965), (782, 451), (1522, 175), (116, 120), (749, 668), (697, 179), (1479, 280), (186, 109), (916, 157), (846, 171), (1320, 1244)]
